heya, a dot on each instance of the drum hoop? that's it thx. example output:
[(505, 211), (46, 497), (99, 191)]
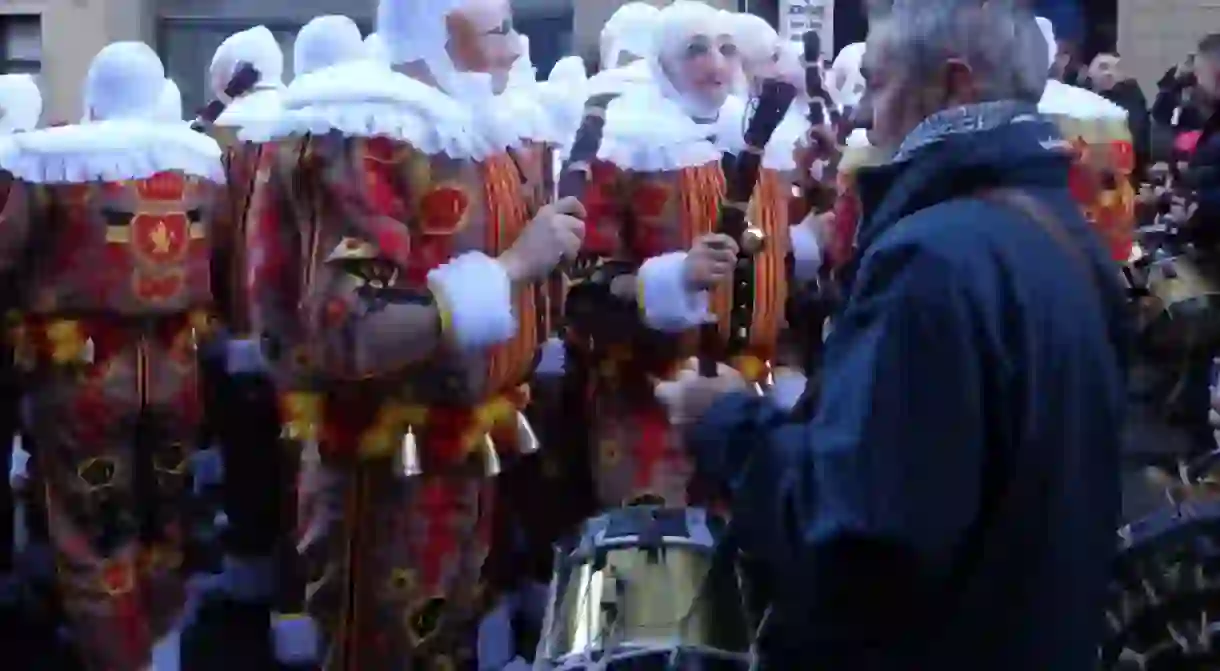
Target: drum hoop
[(625, 651), (593, 537)]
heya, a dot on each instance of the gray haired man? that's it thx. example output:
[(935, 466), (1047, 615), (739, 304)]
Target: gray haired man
[(953, 501)]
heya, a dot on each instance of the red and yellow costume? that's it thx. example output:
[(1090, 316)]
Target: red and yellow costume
[(657, 188), (107, 225), (356, 236), (1100, 177)]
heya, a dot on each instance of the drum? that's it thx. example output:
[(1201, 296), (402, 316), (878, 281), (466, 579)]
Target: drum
[(646, 587), (1165, 595), (1180, 313)]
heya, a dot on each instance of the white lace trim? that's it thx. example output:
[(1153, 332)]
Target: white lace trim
[(367, 100), (564, 104), (619, 80), (530, 116), (649, 132), (113, 150), (258, 107), (1072, 101)]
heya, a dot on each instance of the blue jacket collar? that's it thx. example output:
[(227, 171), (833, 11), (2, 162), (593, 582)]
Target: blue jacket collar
[(955, 154)]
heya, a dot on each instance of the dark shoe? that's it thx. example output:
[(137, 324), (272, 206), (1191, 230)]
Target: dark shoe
[(227, 635), (30, 631)]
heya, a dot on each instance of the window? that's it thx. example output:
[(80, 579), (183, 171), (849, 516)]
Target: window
[(20, 44)]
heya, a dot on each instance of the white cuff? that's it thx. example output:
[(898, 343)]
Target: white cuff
[(665, 302), (295, 639), (475, 297), (243, 355), (496, 645), (787, 388), (553, 358), (806, 252)]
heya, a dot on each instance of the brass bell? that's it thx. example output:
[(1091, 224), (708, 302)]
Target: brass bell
[(527, 440), (752, 240), (407, 458), (310, 453), (491, 460), (763, 386)]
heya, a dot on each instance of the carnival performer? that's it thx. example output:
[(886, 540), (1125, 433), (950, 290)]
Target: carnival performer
[(257, 47), (27, 637), (653, 206), (107, 224), (625, 44), (326, 41), (392, 272), (1101, 174), (245, 612)]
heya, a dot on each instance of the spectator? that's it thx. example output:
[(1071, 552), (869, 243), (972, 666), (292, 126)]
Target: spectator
[(1203, 174), (1107, 79), (1173, 108)]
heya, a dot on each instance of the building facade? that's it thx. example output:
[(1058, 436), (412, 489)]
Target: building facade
[(58, 38)]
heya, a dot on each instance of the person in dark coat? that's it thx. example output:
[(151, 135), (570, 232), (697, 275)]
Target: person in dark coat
[(953, 502), (1172, 108), (1203, 174)]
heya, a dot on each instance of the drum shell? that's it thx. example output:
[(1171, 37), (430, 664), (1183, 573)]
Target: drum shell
[(612, 596), (1180, 317)]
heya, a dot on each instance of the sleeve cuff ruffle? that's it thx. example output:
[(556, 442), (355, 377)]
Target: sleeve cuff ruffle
[(788, 387), (806, 252), (665, 302), (475, 298)]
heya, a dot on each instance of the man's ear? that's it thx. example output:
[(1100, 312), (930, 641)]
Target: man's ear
[(959, 82)]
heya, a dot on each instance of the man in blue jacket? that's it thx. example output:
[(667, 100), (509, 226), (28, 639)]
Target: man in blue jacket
[(954, 500)]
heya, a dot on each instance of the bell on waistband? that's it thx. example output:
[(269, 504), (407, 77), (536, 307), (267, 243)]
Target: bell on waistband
[(407, 458), (491, 460), (527, 440), (87, 354)]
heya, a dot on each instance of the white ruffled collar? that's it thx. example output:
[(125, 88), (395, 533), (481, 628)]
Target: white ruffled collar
[(112, 150), (365, 99), (648, 131), (618, 80), (1067, 100), (258, 106), (531, 117)]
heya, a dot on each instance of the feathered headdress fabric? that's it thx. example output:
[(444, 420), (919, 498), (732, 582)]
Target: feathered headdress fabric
[(170, 107), (20, 103), (256, 46), (413, 30), (327, 41), (125, 81), (628, 30)]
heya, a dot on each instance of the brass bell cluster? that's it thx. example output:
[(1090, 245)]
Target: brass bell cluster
[(408, 464)]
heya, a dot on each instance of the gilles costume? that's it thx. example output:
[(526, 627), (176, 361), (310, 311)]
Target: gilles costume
[(1104, 156), (108, 225), (657, 186), (383, 204)]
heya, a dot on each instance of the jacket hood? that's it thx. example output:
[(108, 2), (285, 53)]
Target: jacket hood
[(1025, 153)]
